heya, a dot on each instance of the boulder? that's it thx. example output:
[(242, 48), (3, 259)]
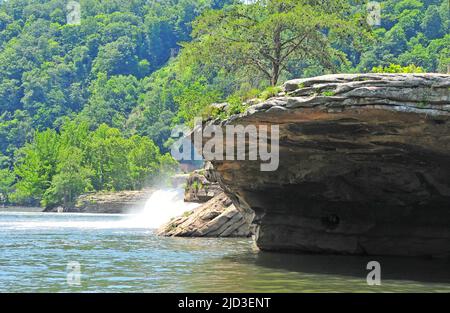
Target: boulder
[(200, 187), (111, 202), (217, 217)]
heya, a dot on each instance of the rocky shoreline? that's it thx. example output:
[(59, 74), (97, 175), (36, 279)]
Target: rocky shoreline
[(116, 202), (108, 202)]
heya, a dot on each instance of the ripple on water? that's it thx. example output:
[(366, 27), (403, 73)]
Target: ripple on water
[(36, 247)]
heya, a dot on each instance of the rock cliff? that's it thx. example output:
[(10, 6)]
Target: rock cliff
[(363, 166)]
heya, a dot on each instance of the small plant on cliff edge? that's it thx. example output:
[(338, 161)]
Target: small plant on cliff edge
[(171, 227), (196, 185), (235, 105), (269, 92), (328, 93)]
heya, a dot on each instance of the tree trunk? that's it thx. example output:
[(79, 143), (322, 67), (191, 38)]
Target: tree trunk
[(65, 199), (276, 62), (275, 74)]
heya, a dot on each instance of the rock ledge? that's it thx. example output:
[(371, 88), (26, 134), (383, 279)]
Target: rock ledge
[(364, 166)]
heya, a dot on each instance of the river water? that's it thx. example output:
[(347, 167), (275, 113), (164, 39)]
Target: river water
[(116, 254)]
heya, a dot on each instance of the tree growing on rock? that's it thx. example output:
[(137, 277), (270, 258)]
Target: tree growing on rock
[(269, 34)]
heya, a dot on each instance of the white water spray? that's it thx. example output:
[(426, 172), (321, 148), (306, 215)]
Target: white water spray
[(162, 205)]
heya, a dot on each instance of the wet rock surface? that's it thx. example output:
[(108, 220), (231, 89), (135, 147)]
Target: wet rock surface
[(364, 166)]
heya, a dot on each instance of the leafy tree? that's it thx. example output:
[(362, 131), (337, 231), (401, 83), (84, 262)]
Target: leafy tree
[(71, 180), (36, 166), (7, 179), (432, 25), (117, 58), (15, 131), (193, 100), (141, 160), (112, 100), (56, 167), (266, 35)]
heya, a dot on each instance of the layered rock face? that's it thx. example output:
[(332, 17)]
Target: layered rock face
[(216, 218), (364, 166)]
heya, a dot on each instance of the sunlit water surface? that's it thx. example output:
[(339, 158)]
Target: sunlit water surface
[(116, 254)]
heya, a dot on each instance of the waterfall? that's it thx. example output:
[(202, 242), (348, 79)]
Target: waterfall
[(161, 206)]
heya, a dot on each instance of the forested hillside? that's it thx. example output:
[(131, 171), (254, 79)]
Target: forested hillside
[(95, 74), (90, 106)]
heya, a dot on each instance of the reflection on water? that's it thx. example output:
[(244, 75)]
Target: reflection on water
[(115, 256)]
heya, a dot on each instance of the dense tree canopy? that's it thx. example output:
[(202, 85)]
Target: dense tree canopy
[(91, 106), (51, 70), (56, 167)]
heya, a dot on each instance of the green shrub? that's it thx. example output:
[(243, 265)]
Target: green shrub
[(269, 92), (395, 68), (235, 105), (328, 93)]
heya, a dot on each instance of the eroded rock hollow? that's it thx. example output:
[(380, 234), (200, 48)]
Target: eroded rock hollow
[(364, 166)]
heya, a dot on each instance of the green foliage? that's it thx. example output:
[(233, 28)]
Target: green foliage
[(269, 92), (7, 179), (235, 105), (117, 58), (395, 68), (15, 130), (71, 180), (112, 100), (91, 106), (52, 70), (193, 99), (197, 185), (264, 37), (328, 93), (57, 167), (36, 166), (413, 32)]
